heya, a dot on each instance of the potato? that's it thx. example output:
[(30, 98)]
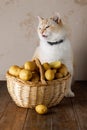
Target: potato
[(59, 75), (46, 66), (14, 70), (56, 64), (49, 74), (30, 65), (41, 109), (63, 71), (25, 75), (35, 77), (55, 71)]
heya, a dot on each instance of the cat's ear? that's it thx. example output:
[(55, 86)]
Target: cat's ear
[(39, 18), (57, 18)]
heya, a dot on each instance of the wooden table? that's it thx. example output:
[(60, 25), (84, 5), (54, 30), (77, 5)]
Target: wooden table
[(70, 114)]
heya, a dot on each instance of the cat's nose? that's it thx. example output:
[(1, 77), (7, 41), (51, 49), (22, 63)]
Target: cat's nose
[(43, 33)]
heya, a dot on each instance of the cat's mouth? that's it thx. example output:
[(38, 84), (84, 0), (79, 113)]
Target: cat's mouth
[(45, 36)]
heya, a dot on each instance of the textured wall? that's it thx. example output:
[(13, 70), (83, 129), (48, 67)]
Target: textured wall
[(18, 34)]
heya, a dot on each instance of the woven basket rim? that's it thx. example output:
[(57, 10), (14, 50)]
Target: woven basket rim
[(29, 83)]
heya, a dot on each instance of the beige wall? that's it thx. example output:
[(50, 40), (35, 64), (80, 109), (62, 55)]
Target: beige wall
[(18, 35)]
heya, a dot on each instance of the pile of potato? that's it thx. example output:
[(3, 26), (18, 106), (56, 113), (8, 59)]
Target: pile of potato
[(55, 70), (30, 71)]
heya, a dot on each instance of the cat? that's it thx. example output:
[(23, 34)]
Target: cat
[(55, 45)]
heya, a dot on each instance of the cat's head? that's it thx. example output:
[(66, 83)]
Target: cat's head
[(51, 29)]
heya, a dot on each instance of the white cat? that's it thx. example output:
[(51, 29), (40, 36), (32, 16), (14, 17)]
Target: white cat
[(55, 45)]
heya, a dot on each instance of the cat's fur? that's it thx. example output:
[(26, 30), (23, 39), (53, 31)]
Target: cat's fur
[(52, 30)]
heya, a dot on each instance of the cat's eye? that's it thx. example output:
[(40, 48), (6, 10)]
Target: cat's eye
[(47, 26), (39, 28)]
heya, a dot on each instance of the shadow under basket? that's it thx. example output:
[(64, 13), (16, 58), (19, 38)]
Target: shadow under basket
[(29, 94)]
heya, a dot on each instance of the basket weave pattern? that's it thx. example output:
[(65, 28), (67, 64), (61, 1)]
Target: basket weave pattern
[(28, 94)]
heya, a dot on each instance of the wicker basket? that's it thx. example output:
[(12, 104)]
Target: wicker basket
[(28, 94)]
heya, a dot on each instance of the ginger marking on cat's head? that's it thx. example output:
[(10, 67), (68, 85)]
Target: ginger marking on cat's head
[(57, 18), (50, 29)]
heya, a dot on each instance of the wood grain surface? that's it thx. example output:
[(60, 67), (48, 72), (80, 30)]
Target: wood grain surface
[(70, 114)]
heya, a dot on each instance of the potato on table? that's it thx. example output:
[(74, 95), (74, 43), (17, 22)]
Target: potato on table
[(41, 109)]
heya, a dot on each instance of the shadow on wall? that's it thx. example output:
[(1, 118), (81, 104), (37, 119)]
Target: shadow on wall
[(81, 2), (84, 65), (29, 25), (81, 64)]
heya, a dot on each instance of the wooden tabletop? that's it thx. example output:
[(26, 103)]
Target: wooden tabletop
[(70, 114)]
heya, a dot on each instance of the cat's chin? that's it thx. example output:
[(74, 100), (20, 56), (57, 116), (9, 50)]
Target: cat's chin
[(43, 38)]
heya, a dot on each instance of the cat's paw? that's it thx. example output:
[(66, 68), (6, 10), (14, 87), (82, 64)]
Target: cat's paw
[(69, 94)]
